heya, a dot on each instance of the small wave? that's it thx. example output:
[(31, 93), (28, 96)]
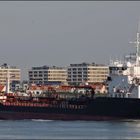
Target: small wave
[(41, 120), (130, 120)]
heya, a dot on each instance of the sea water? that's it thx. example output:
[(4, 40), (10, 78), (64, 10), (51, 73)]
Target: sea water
[(49, 129)]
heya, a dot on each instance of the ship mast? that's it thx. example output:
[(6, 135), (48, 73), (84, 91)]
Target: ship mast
[(137, 50), (7, 81), (137, 42)]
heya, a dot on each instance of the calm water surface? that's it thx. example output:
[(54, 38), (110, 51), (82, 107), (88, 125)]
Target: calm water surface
[(41, 129)]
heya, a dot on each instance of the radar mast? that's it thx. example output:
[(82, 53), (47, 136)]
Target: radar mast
[(137, 42)]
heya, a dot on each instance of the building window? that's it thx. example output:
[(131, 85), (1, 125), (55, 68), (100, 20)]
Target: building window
[(74, 69)]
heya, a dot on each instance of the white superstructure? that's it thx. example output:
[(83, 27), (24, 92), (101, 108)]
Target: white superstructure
[(124, 80)]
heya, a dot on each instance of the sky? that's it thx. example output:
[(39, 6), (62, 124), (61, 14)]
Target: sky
[(60, 33)]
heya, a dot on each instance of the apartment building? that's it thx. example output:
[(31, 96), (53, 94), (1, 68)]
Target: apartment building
[(84, 72), (47, 75), (13, 72)]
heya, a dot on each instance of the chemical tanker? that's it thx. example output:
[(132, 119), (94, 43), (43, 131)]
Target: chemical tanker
[(122, 101)]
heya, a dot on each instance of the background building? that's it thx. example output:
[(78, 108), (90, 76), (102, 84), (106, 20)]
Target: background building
[(14, 74), (47, 75), (84, 72)]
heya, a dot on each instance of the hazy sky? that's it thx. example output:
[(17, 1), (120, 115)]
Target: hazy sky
[(59, 33)]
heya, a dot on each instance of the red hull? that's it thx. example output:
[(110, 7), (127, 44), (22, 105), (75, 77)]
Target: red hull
[(20, 116)]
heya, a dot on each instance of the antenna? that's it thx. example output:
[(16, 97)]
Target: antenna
[(7, 81), (111, 61), (139, 26), (137, 42)]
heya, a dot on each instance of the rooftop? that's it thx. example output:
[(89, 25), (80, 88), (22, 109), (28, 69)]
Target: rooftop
[(85, 64)]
